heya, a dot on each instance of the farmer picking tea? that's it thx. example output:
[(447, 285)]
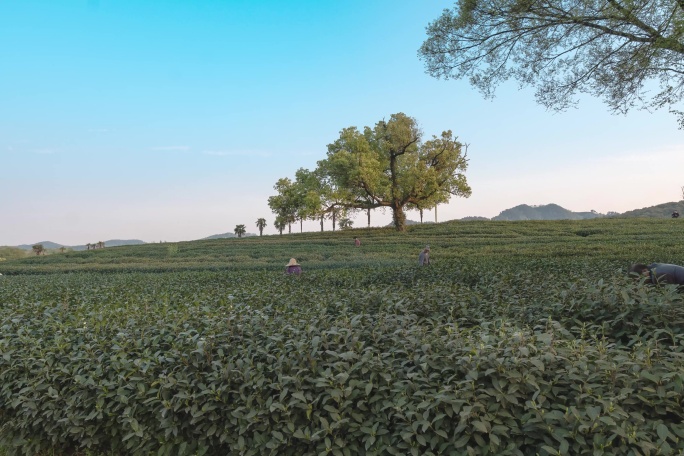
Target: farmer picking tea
[(293, 267), (659, 273)]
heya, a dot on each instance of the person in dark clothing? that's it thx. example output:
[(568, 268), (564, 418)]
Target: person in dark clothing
[(424, 256), (659, 273)]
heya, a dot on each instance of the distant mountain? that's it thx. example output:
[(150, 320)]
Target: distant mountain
[(49, 245), (225, 235), (660, 211), (46, 245), (544, 212)]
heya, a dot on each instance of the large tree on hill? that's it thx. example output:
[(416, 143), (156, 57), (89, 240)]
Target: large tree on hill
[(284, 204), (38, 249), (280, 224), (308, 190), (630, 53), (389, 166), (341, 200), (325, 195), (311, 196)]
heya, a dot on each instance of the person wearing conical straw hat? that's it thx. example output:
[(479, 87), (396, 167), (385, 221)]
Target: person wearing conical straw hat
[(293, 267)]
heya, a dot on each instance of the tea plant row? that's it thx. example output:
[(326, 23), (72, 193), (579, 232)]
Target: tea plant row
[(485, 355)]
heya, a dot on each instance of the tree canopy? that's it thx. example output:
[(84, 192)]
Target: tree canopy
[(240, 230), (261, 224), (387, 166), (279, 224), (627, 52), (284, 204)]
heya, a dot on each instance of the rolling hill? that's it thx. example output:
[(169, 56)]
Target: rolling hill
[(544, 212), (659, 211), (520, 212)]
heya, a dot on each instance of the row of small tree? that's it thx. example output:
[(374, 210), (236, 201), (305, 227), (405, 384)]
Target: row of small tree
[(240, 230), (39, 249), (387, 166), (261, 223)]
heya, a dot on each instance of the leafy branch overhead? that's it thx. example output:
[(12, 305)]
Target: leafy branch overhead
[(627, 52), (387, 166)]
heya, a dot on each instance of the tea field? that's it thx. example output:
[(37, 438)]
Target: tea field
[(520, 338)]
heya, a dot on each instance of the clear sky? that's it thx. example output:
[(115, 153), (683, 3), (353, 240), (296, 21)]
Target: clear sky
[(172, 120)]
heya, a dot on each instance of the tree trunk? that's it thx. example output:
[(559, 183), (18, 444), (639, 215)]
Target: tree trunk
[(421, 216), (321, 223), (399, 217), (301, 225), (368, 217), (397, 208), (333, 218), (289, 228)]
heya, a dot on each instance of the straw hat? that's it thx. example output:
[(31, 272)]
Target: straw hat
[(292, 262)]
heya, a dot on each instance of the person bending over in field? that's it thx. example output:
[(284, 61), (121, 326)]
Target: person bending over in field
[(293, 267), (659, 273), (424, 257)]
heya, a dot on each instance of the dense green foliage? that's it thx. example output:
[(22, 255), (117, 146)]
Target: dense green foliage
[(388, 166), (11, 253), (612, 50), (520, 338)]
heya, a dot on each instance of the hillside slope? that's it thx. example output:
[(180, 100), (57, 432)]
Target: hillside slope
[(545, 212), (454, 242), (659, 211)]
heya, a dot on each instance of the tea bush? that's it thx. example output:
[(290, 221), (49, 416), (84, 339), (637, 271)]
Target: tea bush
[(507, 344)]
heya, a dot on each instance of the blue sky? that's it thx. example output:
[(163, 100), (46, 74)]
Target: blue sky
[(172, 120)]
